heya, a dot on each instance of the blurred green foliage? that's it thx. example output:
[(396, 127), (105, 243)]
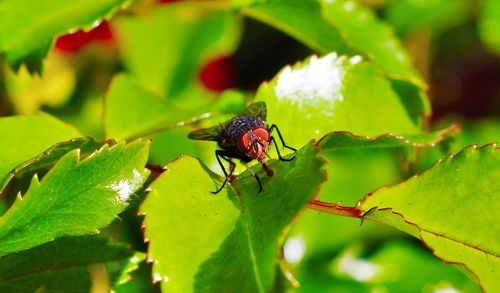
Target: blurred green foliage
[(122, 70)]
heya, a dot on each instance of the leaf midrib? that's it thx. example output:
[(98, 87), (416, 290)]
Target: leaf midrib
[(249, 234)]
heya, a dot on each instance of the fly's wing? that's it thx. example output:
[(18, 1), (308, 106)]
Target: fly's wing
[(258, 110), (211, 133)]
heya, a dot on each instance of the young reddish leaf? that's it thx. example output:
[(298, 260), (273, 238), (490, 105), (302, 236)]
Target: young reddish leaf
[(27, 28), (73, 42)]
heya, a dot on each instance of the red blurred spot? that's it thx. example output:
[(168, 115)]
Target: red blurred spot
[(73, 42), (167, 1), (219, 74)]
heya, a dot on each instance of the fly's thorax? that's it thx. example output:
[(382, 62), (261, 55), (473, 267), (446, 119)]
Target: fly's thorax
[(237, 127)]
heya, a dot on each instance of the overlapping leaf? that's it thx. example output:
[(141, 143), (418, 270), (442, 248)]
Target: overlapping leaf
[(49, 157), (340, 25), (228, 241), (75, 197), (24, 137), (74, 264), (28, 27), (448, 208)]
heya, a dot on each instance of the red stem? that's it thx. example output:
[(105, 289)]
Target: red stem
[(335, 209)]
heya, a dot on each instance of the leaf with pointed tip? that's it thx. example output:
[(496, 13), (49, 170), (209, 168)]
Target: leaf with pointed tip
[(324, 94), (132, 111), (28, 27), (204, 242), (67, 264), (75, 197), (346, 140), (449, 207), (340, 25), (25, 137), (86, 146)]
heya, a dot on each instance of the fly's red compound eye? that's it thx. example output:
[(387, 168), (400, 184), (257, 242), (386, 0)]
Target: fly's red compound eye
[(246, 140), (262, 133)]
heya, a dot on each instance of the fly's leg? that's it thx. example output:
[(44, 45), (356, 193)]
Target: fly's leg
[(273, 127), (225, 156), (253, 174), (278, 151)]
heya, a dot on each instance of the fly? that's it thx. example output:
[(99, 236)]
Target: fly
[(245, 137)]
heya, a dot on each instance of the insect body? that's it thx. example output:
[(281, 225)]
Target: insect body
[(246, 137)]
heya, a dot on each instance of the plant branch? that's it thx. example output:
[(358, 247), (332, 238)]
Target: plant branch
[(335, 209)]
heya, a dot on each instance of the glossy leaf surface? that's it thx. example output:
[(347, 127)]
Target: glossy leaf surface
[(24, 137), (74, 264), (323, 94), (437, 207), (200, 242), (76, 197), (27, 28)]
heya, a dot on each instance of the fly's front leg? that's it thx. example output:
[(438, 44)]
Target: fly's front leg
[(253, 174), (225, 156), (273, 127)]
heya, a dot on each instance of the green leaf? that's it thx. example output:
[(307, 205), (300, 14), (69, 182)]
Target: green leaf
[(76, 197), (132, 111), (342, 26), (489, 24), (301, 19), (398, 266), (324, 94), (204, 242), (426, 15), (49, 157), (446, 207), (164, 49), (346, 140), (28, 27), (24, 137), (74, 264)]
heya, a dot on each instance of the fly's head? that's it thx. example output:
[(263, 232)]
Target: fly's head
[(255, 143)]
